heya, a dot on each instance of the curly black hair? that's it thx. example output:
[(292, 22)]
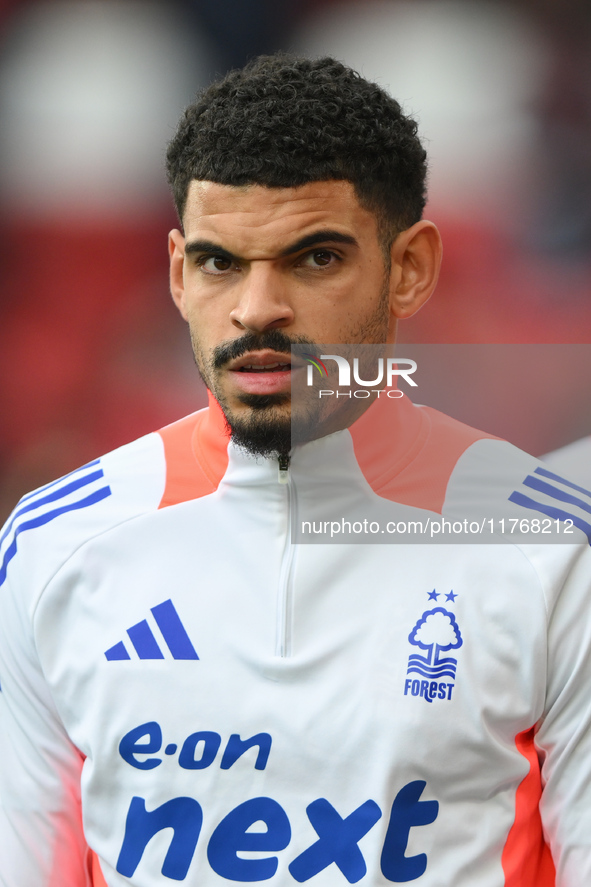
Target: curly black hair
[(284, 121)]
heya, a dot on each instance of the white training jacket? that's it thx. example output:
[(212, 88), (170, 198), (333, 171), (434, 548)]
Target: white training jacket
[(188, 696)]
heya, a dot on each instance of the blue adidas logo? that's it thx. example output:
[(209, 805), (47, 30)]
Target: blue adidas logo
[(144, 642)]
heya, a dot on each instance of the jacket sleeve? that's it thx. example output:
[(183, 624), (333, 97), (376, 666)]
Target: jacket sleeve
[(41, 837), (564, 734)]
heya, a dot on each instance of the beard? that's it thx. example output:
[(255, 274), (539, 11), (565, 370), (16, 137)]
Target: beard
[(268, 427), (266, 430)]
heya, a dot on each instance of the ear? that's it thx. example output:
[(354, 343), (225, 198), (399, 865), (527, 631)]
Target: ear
[(176, 252), (416, 258)]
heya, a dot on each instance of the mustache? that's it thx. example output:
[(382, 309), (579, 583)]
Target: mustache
[(274, 340)]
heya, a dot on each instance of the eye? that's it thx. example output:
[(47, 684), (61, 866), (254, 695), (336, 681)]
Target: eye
[(320, 258), (215, 264)]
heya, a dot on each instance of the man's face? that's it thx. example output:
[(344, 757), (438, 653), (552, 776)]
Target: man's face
[(262, 268)]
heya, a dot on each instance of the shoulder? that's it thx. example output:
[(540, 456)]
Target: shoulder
[(427, 456), (420, 457), (511, 496), (49, 524), (469, 466)]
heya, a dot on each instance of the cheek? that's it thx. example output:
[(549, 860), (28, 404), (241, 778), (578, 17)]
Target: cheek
[(208, 308), (208, 327), (196, 330), (202, 316), (352, 320)]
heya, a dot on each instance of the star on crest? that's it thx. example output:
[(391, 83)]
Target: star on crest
[(433, 595), (450, 597)]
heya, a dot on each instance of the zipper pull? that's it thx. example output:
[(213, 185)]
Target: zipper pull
[(283, 460)]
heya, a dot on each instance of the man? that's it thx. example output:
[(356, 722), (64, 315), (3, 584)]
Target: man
[(194, 697)]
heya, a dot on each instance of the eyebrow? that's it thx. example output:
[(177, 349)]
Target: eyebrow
[(318, 237), (314, 239), (208, 246)]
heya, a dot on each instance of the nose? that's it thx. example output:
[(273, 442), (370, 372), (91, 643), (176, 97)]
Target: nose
[(263, 301)]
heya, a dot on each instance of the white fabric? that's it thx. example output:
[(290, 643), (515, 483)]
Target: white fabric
[(573, 460), (306, 647)]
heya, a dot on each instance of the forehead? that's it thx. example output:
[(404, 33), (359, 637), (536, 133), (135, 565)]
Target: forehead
[(271, 218)]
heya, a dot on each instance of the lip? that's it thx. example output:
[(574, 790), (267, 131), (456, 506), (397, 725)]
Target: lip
[(258, 381)]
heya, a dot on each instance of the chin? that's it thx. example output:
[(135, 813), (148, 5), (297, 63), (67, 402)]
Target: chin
[(262, 435), (267, 401)]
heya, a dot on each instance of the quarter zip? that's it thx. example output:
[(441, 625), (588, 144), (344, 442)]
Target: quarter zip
[(285, 589), (283, 461)]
